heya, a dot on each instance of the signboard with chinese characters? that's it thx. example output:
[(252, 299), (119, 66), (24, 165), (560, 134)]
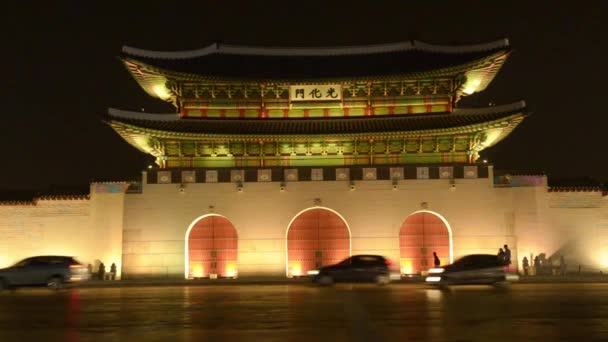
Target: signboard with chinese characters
[(315, 92)]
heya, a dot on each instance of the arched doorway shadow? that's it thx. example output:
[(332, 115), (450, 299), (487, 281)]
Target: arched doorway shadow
[(211, 248), (316, 237), (422, 233)]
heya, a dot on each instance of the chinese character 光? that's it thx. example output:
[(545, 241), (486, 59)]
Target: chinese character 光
[(315, 93), (299, 92), (331, 92)]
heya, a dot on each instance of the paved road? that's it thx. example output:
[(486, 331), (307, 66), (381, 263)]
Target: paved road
[(302, 312)]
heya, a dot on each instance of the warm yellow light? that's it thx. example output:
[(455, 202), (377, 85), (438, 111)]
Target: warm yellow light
[(491, 137), (196, 270), (161, 91), (231, 270), (471, 87), (406, 266), (604, 259), (295, 269)]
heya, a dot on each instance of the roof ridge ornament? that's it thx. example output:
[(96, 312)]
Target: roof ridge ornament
[(413, 45)]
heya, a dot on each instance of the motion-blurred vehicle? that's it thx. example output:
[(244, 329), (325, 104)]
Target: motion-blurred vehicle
[(472, 269), (357, 268), (50, 270)]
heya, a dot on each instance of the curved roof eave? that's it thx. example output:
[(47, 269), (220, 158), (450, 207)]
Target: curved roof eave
[(217, 48), (459, 121), (155, 71), (140, 139)]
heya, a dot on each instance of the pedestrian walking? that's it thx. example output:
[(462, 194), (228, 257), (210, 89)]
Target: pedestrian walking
[(101, 272), (436, 259), (562, 265), (526, 265), (113, 271)]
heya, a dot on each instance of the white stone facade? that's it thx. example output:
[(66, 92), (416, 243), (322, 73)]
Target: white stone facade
[(145, 233)]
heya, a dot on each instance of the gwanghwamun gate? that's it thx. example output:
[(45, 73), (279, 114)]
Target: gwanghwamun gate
[(277, 161)]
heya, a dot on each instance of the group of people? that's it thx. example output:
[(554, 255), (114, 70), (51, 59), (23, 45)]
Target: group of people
[(504, 255), (101, 273), (542, 265)]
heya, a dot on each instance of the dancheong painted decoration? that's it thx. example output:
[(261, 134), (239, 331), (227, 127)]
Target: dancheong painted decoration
[(385, 112), (387, 104)]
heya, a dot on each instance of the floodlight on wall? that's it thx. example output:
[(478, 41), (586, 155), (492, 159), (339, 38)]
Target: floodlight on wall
[(239, 186), (282, 187), (395, 184), (452, 184), (182, 188)]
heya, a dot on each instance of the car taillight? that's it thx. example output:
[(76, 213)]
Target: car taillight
[(76, 266), (388, 262)]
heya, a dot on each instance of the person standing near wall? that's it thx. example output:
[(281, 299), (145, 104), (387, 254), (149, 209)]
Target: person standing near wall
[(113, 271), (436, 260), (101, 272), (501, 256), (536, 265), (526, 265), (507, 256)]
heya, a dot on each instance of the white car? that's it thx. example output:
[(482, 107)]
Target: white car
[(472, 269)]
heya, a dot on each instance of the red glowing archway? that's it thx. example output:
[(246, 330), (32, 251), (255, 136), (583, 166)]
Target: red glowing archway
[(316, 237), (212, 248), (421, 234)]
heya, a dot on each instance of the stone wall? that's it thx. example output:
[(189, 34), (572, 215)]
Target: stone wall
[(89, 229), (156, 220)]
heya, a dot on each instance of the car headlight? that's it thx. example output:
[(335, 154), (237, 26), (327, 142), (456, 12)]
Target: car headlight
[(313, 272), (511, 277), (433, 279), (436, 270)]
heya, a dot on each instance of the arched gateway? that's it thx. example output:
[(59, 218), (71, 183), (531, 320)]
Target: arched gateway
[(211, 248), (316, 237), (421, 234)]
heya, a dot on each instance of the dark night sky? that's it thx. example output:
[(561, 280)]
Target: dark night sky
[(61, 73)]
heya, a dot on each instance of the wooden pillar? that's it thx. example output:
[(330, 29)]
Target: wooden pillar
[(261, 153)]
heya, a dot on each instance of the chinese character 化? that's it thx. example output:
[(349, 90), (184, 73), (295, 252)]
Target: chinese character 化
[(315, 93)]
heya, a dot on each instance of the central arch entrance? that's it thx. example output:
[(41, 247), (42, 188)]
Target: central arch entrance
[(211, 248), (316, 237), (421, 234)]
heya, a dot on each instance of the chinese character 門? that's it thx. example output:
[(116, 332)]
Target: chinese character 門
[(299, 92)]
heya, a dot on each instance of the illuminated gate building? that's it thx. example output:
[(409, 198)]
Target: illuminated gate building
[(277, 161)]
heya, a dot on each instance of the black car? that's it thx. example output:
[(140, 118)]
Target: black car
[(358, 268), (472, 269), (50, 270)]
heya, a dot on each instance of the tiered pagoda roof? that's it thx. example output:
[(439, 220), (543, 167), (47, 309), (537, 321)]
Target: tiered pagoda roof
[(389, 104), (410, 60)]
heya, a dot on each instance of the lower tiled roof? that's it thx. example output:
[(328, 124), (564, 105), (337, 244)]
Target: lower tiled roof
[(316, 126)]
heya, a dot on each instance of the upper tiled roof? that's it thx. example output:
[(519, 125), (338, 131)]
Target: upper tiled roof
[(229, 61), (315, 126)]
